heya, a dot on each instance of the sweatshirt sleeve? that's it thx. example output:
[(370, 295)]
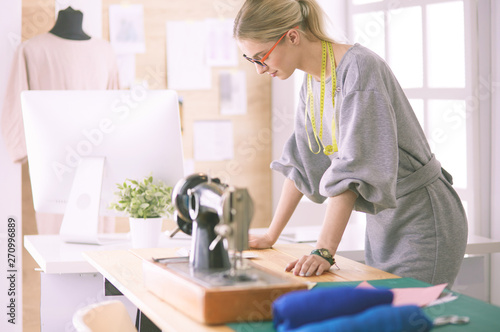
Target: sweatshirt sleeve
[(12, 118), (367, 161), (298, 163)]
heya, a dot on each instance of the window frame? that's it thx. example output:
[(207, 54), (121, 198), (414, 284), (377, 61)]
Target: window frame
[(476, 193)]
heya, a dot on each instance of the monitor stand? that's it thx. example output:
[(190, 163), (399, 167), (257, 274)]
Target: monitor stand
[(81, 217)]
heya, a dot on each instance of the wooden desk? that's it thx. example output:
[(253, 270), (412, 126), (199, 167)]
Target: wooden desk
[(123, 269), (68, 281)]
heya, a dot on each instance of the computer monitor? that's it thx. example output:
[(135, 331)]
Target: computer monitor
[(82, 143)]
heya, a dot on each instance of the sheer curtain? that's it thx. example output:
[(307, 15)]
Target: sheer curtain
[(495, 149)]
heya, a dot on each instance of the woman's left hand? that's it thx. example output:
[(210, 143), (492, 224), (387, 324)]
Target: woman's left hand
[(308, 265)]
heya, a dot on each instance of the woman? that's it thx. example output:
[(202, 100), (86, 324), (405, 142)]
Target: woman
[(356, 144)]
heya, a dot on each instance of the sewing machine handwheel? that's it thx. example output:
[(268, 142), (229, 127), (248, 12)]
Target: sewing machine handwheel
[(180, 197), (186, 227)]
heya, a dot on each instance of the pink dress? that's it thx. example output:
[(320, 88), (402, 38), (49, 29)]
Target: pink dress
[(48, 62)]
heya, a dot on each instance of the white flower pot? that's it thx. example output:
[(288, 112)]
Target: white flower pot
[(145, 233)]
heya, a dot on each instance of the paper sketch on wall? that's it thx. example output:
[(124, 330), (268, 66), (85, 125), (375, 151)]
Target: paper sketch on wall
[(126, 28), (187, 67), (213, 140), (233, 92), (222, 48)]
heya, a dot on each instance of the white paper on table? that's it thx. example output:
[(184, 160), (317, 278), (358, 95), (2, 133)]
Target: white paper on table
[(187, 67), (420, 296), (233, 92), (126, 69), (213, 140), (92, 14), (126, 28), (221, 46)]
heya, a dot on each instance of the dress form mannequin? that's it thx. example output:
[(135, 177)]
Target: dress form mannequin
[(53, 61), (69, 25)]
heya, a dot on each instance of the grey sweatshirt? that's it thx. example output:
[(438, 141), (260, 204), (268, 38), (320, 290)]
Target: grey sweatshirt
[(384, 158)]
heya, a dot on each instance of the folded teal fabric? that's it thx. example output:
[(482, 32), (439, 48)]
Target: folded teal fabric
[(382, 318), (298, 308)]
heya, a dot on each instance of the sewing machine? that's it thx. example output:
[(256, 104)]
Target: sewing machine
[(217, 216), (215, 273)]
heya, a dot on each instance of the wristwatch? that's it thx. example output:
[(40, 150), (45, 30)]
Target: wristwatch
[(325, 254)]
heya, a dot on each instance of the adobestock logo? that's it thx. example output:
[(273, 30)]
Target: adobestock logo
[(84, 147), (94, 137)]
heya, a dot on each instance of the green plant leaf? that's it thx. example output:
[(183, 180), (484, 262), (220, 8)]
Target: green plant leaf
[(143, 199)]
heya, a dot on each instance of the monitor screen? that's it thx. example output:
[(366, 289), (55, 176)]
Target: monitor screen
[(136, 132)]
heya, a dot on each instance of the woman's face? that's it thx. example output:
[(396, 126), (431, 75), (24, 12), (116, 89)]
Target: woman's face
[(279, 62)]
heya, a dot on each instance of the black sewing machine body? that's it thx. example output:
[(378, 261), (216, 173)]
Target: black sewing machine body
[(216, 215)]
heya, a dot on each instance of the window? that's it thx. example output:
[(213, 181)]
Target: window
[(425, 44)]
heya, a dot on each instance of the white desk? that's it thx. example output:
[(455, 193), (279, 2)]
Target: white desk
[(352, 245), (54, 256), (57, 257), (479, 245), (68, 281)]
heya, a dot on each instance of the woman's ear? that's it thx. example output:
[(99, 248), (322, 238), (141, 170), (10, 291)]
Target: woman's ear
[(294, 36)]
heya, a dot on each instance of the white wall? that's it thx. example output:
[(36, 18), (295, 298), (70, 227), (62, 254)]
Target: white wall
[(10, 180)]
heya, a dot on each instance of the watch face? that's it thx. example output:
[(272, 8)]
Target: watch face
[(325, 253)]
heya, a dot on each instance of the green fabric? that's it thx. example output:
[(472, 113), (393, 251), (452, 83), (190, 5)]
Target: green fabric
[(484, 317)]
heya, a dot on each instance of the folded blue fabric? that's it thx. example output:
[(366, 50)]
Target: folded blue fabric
[(302, 307), (382, 318)]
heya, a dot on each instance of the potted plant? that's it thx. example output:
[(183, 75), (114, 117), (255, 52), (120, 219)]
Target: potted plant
[(145, 203)]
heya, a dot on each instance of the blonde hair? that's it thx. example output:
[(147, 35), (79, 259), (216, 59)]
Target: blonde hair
[(267, 20)]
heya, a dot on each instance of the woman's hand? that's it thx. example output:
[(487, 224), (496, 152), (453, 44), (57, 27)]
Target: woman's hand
[(308, 265), (260, 241)]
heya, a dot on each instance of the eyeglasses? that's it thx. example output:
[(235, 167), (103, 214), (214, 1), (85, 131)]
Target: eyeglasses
[(261, 61)]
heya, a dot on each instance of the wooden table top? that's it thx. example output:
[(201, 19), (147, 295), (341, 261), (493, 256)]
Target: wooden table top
[(123, 268)]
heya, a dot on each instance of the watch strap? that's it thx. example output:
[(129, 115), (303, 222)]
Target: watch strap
[(324, 253)]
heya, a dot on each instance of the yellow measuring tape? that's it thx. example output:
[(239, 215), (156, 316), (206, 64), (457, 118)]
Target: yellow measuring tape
[(329, 149)]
